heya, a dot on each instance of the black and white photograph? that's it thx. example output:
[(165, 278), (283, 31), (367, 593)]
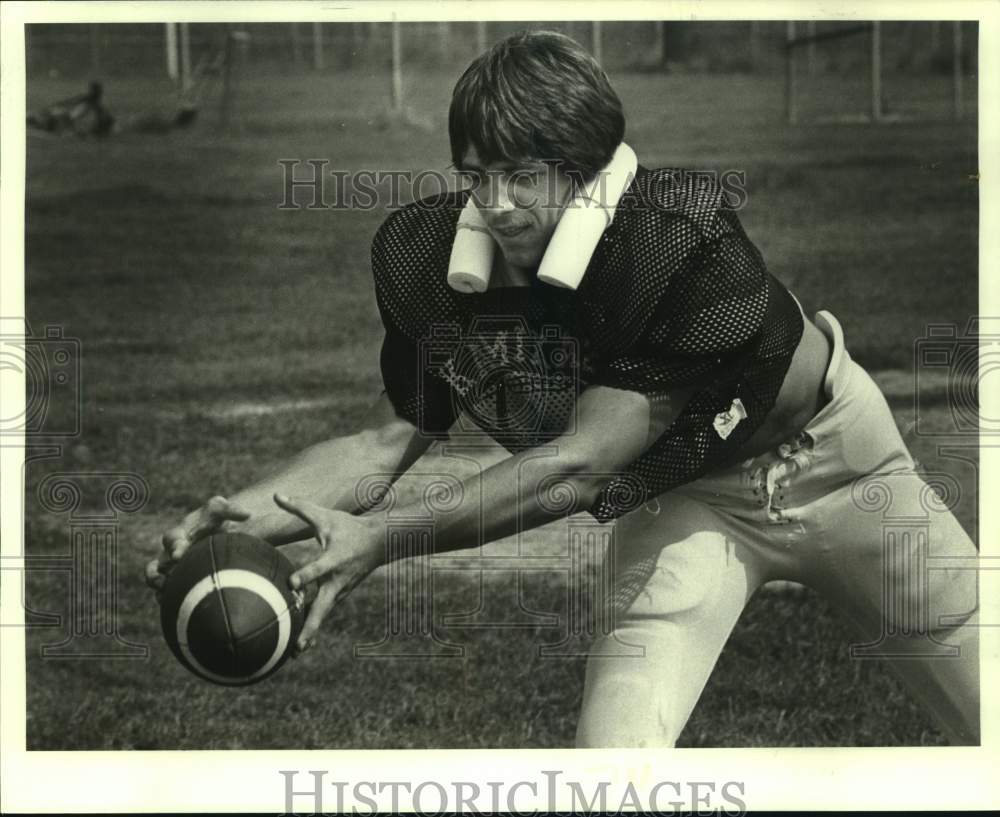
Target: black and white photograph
[(453, 379)]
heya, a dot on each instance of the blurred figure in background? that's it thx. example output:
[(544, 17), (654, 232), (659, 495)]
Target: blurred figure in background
[(82, 115)]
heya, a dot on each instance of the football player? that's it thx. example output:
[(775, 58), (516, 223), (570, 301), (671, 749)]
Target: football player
[(729, 436)]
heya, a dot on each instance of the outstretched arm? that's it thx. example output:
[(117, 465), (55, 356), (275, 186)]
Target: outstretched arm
[(327, 474), (324, 474), (614, 427)]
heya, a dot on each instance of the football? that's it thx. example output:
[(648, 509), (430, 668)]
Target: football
[(227, 611)]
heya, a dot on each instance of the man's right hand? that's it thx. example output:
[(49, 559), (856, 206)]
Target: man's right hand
[(208, 519)]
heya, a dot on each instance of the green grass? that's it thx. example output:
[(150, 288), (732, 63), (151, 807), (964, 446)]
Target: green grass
[(188, 289)]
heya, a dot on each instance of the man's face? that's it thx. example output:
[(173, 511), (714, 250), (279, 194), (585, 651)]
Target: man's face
[(521, 203)]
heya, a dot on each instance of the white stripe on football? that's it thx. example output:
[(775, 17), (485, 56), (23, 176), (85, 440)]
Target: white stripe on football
[(246, 580)]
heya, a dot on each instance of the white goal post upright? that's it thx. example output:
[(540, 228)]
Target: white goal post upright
[(659, 51), (876, 43), (170, 43), (791, 113), (397, 66), (318, 61), (957, 90), (236, 43), (185, 39)]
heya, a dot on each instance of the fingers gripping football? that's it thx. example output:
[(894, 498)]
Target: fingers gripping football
[(175, 541), (349, 554)]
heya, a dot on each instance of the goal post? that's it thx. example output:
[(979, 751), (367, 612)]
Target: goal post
[(956, 70), (170, 43)]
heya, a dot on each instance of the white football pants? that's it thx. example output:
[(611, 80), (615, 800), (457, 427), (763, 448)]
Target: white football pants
[(838, 508)]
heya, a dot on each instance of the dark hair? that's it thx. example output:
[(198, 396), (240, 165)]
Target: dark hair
[(536, 96)]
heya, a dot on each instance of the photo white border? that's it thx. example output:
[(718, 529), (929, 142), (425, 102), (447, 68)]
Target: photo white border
[(206, 781)]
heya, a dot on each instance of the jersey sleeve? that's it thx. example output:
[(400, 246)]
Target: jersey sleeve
[(402, 281), (416, 395), (703, 332), (707, 303)]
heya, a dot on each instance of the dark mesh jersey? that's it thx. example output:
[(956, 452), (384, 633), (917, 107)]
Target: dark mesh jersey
[(675, 295)]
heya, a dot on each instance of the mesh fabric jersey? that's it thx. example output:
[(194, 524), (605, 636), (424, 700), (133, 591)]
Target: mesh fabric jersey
[(675, 295)]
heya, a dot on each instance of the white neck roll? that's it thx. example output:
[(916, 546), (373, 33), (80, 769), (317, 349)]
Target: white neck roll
[(583, 222)]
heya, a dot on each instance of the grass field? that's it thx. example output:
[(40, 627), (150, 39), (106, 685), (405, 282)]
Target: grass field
[(219, 334)]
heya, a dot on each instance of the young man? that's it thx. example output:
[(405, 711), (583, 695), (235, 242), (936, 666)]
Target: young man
[(693, 402)]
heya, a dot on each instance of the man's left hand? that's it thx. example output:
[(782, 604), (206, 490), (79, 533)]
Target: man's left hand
[(352, 548)]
